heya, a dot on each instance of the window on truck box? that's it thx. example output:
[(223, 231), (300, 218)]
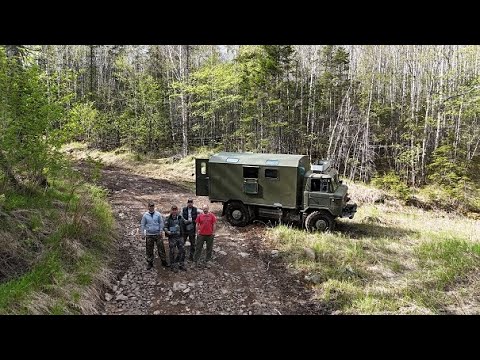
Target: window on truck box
[(250, 172), (271, 174), (203, 168), (250, 180)]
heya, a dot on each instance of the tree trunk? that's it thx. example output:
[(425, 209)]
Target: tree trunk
[(7, 170), (184, 69)]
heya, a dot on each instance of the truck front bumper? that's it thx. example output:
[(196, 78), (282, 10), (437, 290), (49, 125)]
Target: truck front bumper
[(349, 210)]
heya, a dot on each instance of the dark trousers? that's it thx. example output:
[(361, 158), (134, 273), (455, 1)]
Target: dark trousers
[(151, 241), (176, 242), (199, 247), (191, 237)]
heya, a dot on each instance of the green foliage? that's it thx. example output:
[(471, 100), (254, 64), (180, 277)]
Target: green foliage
[(141, 123), (392, 182), (214, 94), (444, 170), (30, 110), (82, 121), (278, 58), (452, 177)]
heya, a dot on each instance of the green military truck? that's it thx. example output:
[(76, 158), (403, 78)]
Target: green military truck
[(278, 186)]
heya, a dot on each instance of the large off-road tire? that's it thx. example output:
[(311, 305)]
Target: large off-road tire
[(237, 214), (319, 221)]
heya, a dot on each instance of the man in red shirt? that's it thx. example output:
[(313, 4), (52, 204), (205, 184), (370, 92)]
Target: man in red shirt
[(206, 223)]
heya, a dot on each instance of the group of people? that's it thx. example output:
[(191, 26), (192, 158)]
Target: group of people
[(188, 228)]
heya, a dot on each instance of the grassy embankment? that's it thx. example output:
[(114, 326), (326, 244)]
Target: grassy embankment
[(54, 245)]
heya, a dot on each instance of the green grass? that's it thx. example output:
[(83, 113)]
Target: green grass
[(15, 201), (15, 292), (389, 259), (72, 256), (447, 260)]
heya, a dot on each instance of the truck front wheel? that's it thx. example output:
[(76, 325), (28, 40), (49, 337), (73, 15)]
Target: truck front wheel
[(319, 221), (237, 214)]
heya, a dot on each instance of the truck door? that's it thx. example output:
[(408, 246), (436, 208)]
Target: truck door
[(201, 177), (319, 196)]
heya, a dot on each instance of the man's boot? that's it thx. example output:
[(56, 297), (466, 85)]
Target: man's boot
[(150, 265), (164, 264)]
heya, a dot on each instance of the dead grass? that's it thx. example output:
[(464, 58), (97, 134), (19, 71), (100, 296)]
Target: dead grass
[(391, 259), (175, 169)]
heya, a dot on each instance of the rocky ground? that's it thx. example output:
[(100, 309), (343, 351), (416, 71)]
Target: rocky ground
[(247, 277)]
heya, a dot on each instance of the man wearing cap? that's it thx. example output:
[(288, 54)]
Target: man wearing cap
[(190, 213), (174, 225), (151, 228)]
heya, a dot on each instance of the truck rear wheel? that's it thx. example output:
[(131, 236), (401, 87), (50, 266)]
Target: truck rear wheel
[(237, 214), (319, 221)]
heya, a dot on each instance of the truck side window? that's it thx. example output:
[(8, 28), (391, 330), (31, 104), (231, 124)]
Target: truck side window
[(271, 173), (250, 172), (324, 185), (321, 185), (203, 168)]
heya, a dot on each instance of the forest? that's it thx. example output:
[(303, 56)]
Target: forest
[(407, 112)]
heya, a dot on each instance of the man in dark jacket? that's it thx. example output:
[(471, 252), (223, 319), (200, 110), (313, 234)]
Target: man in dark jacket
[(189, 214), (174, 225)]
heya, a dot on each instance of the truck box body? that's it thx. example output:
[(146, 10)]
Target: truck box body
[(276, 186), (272, 180)]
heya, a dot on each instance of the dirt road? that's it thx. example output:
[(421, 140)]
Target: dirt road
[(246, 278)]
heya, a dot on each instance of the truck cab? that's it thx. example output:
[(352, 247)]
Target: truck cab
[(324, 198)]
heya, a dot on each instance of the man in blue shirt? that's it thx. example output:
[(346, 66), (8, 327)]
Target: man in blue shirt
[(151, 228)]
